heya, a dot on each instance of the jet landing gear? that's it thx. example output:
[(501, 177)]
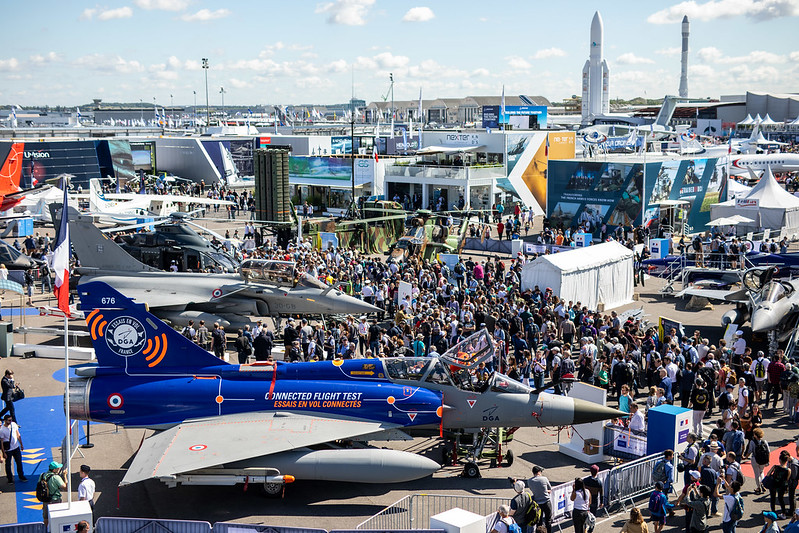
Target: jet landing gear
[(470, 448)]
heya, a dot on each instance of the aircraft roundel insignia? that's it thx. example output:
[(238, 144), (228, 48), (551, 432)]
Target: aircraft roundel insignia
[(115, 401), (471, 402), (125, 336), (216, 293), (197, 448)]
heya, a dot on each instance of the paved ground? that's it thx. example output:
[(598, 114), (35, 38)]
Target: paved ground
[(326, 505)]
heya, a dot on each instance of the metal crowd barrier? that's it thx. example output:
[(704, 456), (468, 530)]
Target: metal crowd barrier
[(32, 527), (631, 480), (414, 511), (226, 527), (623, 443), (146, 525)]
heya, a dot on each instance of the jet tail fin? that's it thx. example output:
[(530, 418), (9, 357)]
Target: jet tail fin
[(666, 111), (124, 334), (11, 171), (95, 250)]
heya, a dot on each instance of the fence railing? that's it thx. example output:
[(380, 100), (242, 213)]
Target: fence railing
[(631, 480), (414, 511), (148, 525)]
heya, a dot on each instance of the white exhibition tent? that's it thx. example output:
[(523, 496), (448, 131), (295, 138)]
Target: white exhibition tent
[(767, 204), (736, 189), (602, 273), (748, 121)]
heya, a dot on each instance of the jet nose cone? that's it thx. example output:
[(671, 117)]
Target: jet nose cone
[(353, 306), (762, 321), (585, 412)]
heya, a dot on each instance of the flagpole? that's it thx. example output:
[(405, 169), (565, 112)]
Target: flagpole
[(66, 407)]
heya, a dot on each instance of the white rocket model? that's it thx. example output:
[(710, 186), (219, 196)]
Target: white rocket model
[(684, 64), (596, 76)]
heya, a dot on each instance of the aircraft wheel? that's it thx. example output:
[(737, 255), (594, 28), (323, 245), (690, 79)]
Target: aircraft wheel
[(509, 458), (273, 489), (471, 470)]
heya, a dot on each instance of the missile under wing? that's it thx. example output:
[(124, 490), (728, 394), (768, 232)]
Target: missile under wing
[(215, 417)]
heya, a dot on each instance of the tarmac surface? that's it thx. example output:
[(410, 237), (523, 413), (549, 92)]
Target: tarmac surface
[(305, 504)]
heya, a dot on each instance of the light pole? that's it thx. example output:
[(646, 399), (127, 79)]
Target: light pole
[(141, 108), (222, 91), (155, 113), (207, 108), (391, 77), (194, 111)]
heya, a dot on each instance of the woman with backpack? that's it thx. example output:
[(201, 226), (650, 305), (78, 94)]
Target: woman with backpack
[(582, 503), (778, 485), (759, 451)]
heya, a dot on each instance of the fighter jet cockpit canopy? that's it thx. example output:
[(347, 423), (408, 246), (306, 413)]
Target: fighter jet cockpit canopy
[(462, 366), (282, 273), (775, 291), (756, 278)]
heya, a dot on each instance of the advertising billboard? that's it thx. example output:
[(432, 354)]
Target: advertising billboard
[(591, 193), (44, 160), (526, 117), (527, 165)]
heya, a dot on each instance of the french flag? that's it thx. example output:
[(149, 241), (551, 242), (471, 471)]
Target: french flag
[(61, 257)]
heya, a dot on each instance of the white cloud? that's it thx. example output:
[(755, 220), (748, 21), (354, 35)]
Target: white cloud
[(631, 59), (481, 72), (339, 65), (517, 63), (204, 15), (711, 54), (719, 9), (383, 60), (346, 12), (239, 84), (673, 51), (39, 59), (794, 56), (163, 5), (118, 13), (546, 53), (419, 14), (88, 14), (9, 64), (108, 63)]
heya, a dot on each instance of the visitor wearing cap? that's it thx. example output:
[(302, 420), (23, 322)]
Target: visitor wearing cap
[(593, 484), (692, 480), (542, 490), (86, 487), (55, 482), (520, 503), (771, 523)]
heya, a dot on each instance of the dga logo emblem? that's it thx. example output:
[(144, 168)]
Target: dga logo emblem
[(125, 336)]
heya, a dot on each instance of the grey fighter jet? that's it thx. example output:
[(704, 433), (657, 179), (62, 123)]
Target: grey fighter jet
[(261, 288)]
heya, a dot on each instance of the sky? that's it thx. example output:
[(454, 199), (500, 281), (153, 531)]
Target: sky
[(261, 52)]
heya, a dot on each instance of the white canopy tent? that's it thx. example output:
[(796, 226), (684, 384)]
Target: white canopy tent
[(596, 274), (767, 204), (736, 189), (748, 121)]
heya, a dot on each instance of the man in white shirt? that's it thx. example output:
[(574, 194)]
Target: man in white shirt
[(671, 368), (637, 421), (11, 443), (759, 369), (86, 487), (743, 397)]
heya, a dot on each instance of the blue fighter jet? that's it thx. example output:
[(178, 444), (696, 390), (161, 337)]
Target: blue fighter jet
[(219, 423)]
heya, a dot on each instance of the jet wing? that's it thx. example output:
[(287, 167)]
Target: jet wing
[(209, 442), (735, 295)]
